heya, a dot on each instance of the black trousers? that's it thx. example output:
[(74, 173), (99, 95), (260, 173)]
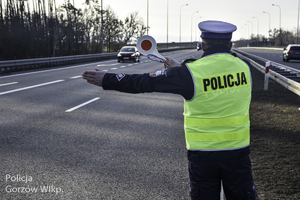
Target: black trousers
[(207, 169)]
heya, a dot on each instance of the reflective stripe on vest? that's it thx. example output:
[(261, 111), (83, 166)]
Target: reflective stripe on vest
[(217, 118)]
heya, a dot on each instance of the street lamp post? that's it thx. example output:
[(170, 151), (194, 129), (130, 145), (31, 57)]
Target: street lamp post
[(102, 26), (180, 22), (279, 22), (269, 19), (251, 28), (192, 25), (147, 17), (257, 29), (167, 24), (197, 28), (279, 16), (298, 23)]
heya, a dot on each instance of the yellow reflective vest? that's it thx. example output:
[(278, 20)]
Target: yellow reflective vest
[(217, 118)]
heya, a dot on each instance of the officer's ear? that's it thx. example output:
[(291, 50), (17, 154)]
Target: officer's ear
[(230, 45)]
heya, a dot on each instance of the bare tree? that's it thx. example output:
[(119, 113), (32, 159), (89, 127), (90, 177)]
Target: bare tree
[(113, 29), (133, 27)]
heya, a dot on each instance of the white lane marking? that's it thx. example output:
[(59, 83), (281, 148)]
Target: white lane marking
[(113, 68), (122, 66), (76, 77), (8, 84), (30, 87), (108, 64), (83, 104), (129, 65)]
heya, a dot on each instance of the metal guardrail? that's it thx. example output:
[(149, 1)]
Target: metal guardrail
[(26, 64), (288, 77), (31, 64)]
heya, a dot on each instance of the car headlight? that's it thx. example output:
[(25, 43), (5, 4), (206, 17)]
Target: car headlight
[(133, 54), (119, 55)]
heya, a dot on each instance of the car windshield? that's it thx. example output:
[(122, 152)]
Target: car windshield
[(295, 48), (128, 49)]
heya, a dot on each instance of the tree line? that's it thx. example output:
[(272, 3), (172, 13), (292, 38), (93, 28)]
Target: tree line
[(282, 37), (277, 38), (40, 28)]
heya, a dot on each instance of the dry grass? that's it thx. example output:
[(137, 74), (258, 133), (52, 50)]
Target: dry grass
[(275, 140)]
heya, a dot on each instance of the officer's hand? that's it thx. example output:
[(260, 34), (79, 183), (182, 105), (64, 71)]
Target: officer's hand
[(94, 77), (170, 63)]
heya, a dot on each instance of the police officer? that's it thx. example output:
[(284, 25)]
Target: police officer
[(217, 95)]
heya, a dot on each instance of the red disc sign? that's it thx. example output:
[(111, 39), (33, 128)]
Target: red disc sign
[(146, 45)]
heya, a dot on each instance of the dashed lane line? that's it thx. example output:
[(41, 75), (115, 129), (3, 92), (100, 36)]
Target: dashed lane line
[(5, 84), (80, 76), (123, 66), (83, 104), (30, 87), (108, 64)]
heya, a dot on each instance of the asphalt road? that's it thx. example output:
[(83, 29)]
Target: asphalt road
[(62, 138), (272, 55)]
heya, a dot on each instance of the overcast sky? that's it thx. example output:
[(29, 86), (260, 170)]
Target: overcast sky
[(238, 12)]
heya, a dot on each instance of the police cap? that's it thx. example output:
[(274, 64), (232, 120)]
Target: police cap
[(216, 29)]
